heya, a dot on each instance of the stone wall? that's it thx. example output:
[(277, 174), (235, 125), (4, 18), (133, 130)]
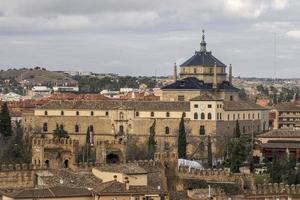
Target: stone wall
[(18, 175), (206, 174), (275, 188)]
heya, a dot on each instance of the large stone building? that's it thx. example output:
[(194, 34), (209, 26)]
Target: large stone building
[(287, 115), (115, 120), (202, 73)]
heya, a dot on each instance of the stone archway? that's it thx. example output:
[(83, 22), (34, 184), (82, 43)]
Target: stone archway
[(112, 158), (66, 163), (47, 163)]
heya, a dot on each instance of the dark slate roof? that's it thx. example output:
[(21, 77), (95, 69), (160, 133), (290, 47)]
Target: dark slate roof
[(128, 168), (54, 192), (242, 105), (281, 133), (203, 59), (117, 104), (192, 83)]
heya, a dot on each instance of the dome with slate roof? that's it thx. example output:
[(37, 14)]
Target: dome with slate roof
[(201, 65)]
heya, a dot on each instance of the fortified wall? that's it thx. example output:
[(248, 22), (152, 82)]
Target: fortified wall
[(18, 175)]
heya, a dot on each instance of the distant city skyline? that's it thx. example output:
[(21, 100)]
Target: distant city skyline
[(260, 38)]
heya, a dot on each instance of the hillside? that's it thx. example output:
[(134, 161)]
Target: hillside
[(38, 76)]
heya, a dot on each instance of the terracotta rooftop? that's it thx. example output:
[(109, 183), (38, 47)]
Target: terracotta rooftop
[(287, 106), (128, 168), (117, 104), (53, 192), (282, 145), (281, 133), (114, 187), (242, 105), (207, 97)]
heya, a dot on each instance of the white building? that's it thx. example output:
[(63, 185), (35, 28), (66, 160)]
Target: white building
[(11, 96), (65, 89)]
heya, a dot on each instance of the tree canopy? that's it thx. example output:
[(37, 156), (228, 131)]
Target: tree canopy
[(152, 141), (5, 121), (181, 139), (59, 132)]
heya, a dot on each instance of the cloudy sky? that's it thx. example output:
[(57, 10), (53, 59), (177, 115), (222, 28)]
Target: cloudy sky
[(141, 37)]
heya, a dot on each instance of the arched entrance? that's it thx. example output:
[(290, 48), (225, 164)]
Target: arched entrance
[(112, 158), (47, 163), (66, 163)]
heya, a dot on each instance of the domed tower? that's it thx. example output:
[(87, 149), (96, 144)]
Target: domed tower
[(203, 66), (201, 74)]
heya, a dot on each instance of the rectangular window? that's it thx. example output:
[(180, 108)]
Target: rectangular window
[(195, 105), (180, 97), (137, 114), (209, 105)]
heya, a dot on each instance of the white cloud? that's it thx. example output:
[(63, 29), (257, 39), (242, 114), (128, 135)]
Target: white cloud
[(280, 4), (293, 34), (242, 8)]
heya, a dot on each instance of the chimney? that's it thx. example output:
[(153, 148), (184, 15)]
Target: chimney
[(215, 83), (115, 177), (126, 182), (175, 72), (230, 74)]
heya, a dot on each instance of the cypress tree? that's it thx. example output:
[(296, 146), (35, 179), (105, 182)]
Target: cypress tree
[(182, 139), (88, 144), (237, 131), (151, 141), (209, 152), (5, 122)]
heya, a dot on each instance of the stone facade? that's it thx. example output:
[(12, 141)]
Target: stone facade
[(18, 175), (113, 123)]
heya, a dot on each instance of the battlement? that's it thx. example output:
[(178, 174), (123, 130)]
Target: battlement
[(162, 156), (275, 188), (19, 167), (52, 143), (217, 175), (203, 172), (143, 163)]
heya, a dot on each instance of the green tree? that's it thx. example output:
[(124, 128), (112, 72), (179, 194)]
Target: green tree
[(151, 141), (181, 139), (238, 152), (88, 144), (283, 169), (237, 130), (209, 152), (135, 150), (17, 150), (5, 122), (59, 132)]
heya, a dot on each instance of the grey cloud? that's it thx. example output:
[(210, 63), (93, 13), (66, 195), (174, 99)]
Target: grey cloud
[(140, 37)]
